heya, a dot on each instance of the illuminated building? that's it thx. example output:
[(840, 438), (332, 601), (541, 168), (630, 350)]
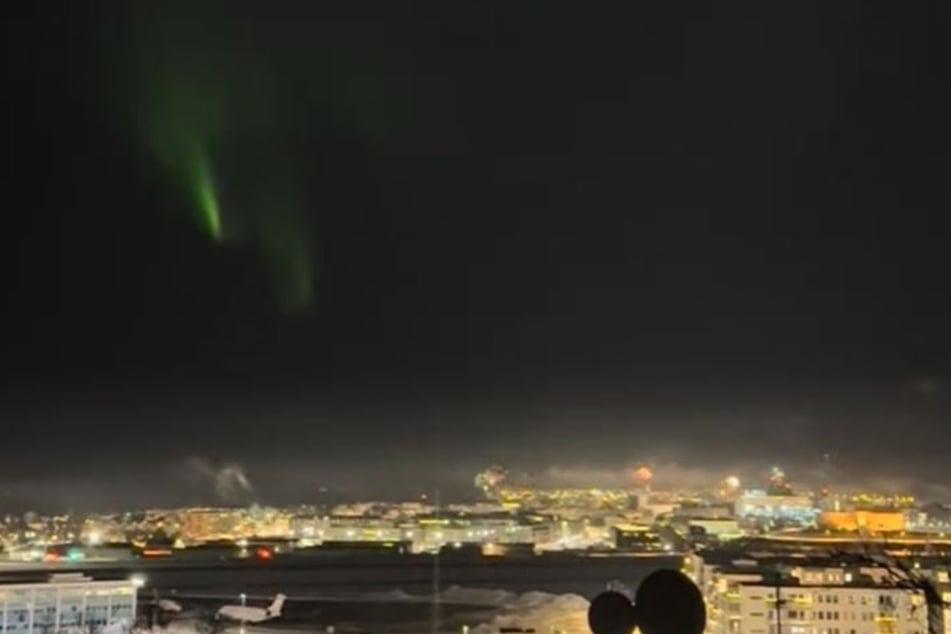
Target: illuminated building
[(716, 527), (785, 596), (206, 524), (639, 538), (865, 521), (878, 501), (425, 532), (792, 508), (68, 603), (267, 522), (655, 504), (934, 518)]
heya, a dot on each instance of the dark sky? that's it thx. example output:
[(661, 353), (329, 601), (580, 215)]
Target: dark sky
[(459, 232)]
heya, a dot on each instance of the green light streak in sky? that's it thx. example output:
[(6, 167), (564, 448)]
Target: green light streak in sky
[(284, 240), (213, 132), (207, 198)]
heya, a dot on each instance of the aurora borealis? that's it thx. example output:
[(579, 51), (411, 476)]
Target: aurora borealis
[(195, 106), (546, 232)]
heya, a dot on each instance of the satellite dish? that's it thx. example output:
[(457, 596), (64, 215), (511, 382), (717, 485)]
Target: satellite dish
[(611, 613), (667, 602)]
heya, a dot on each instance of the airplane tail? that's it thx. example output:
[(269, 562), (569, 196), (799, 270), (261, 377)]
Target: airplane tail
[(275, 608)]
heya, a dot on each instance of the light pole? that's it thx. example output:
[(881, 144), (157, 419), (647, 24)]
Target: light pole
[(780, 602)]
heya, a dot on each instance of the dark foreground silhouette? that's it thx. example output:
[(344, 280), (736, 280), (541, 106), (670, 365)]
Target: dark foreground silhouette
[(667, 602)]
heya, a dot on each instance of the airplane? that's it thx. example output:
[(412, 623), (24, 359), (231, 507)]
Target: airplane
[(250, 614), (164, 605), (167, 605)]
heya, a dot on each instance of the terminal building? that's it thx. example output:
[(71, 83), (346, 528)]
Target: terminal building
[(68, 603)]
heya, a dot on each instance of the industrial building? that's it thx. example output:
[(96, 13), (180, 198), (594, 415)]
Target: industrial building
[(68, 603)]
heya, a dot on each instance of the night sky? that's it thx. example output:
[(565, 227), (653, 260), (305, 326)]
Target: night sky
[(373, 246)]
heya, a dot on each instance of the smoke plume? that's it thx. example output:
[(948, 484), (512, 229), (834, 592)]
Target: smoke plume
[(229, 481)]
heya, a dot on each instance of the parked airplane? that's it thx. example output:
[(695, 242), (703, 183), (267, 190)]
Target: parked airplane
[(251, 614), (167, 605)]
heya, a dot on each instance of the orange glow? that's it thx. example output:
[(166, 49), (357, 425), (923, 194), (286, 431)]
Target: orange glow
[(641, 475), (156, 552), (859, 520), (263, 553)]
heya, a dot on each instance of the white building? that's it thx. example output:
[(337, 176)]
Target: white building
[(68, 604), (791, 508), (746, 597)]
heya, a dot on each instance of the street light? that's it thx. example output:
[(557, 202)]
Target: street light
[(244, 599)]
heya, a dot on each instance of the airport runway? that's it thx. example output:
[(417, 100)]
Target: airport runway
[(373, 593)]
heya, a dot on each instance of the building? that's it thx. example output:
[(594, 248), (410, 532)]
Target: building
[(789, 508), (718, 528), (639, 538), (866, 521), (796, 595), (820, 601), (933, 518), (68, 603), (656, 504), (208, 524)]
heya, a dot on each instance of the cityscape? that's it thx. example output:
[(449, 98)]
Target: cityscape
[(485, 317), (509, 516), (765, 555)]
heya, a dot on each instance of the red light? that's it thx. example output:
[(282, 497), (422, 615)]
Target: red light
[(263, 553)]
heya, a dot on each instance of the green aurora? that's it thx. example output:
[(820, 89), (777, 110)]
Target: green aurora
[(192, 119)]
